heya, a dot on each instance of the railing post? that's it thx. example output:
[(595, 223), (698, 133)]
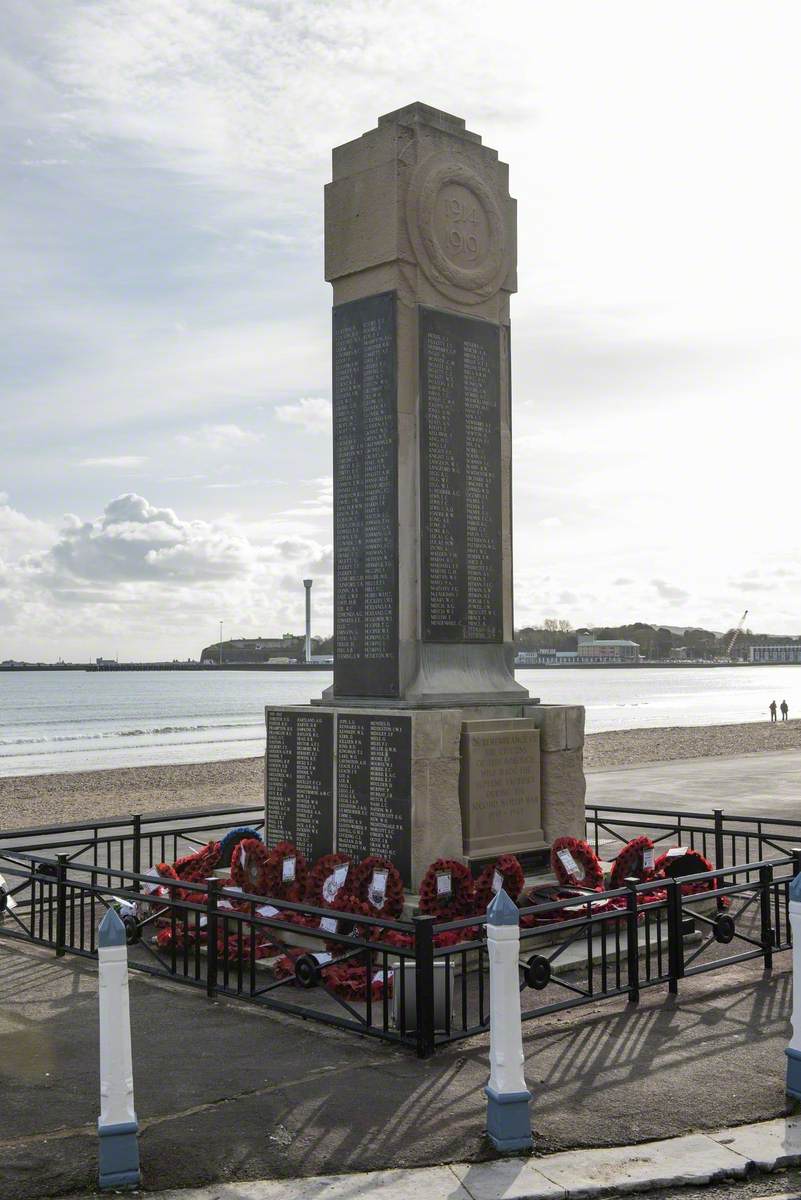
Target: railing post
[(424, 984), (136, 823), (508, 1098), (61, 905), (719, 852), (632, 940), (765, 889), (211, 936), (675, 935), (117, 1126)]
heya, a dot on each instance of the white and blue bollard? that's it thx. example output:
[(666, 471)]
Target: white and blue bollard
[(793, 1051), (508, 1098), (117, 1127)]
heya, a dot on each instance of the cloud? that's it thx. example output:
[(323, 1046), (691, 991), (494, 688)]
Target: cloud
[(551, 522), (312, 413), (121, 460), (217, 437), (136, 541), (145, 579), (622, 582), (667, 591), (20, 534)]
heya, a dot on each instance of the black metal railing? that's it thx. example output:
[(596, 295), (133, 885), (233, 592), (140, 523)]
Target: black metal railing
[(416, 982)]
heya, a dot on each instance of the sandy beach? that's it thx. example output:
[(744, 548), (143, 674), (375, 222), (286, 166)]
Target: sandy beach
[(31, 800)]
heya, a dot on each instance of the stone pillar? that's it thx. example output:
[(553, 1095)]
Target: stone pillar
[(563, 784), (420, 246)]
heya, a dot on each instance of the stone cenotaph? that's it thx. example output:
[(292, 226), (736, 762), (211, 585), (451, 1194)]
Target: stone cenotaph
[(425, 745)]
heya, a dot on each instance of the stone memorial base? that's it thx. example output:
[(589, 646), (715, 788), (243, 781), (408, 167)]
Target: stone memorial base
[(413, 785)]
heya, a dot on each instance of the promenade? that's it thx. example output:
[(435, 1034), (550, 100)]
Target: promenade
[(767, 784)]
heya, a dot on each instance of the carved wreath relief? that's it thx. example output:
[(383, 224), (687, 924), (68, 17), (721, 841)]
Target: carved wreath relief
[(457, 229)]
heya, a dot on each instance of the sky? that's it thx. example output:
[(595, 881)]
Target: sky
[(165, 434)]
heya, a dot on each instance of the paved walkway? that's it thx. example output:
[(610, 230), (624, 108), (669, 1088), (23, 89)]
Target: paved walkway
[(765, 784), (226, 1091), (697, 1159)]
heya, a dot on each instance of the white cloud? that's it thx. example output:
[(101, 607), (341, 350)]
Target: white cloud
[(217, 437), (147, 579), (135, 541), (121, 460), (20, 534), (311, 413), (668, 591)]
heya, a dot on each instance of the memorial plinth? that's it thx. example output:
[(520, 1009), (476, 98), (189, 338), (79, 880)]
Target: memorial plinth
[(425, 746)]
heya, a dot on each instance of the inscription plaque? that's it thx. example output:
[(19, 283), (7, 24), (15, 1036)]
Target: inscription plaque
[(460, 488), (500, 787), (365, 498), (299, 781), (374, 788)]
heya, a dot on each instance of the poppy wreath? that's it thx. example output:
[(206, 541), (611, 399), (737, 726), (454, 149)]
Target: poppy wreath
[(692, 862), (199, 865), (630, 862), (442, 941), (362, 897), (585, 859), (460, 901), (321, 890), (349, 980), (162, 892), (345, 979), (276, 885), (229, 843), (510, 872), (249, 866)]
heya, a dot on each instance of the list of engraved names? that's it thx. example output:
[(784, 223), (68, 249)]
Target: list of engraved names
[(374, 788), (461, 478), (365, 498), (299, 780)]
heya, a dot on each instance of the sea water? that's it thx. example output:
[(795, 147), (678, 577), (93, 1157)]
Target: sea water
[(78, 721)]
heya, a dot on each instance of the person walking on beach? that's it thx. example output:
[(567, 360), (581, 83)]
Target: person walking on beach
[(772, 711), (785, 709)]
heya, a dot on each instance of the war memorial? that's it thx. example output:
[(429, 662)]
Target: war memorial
[(423, 869), (425, 746)]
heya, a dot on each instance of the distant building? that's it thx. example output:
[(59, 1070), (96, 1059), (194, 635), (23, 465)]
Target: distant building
[(775, 654), (536, 658), (606, 650)]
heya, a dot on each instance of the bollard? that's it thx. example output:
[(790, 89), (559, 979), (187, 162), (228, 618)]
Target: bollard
[(793, 1051), (117, 1126), (508, 1098)]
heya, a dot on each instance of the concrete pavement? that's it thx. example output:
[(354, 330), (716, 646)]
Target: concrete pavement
[(729, 1154), (767, 785), (226, 1091)]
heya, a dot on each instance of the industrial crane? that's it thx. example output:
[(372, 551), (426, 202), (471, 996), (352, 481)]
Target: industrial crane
[(736, 634)]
